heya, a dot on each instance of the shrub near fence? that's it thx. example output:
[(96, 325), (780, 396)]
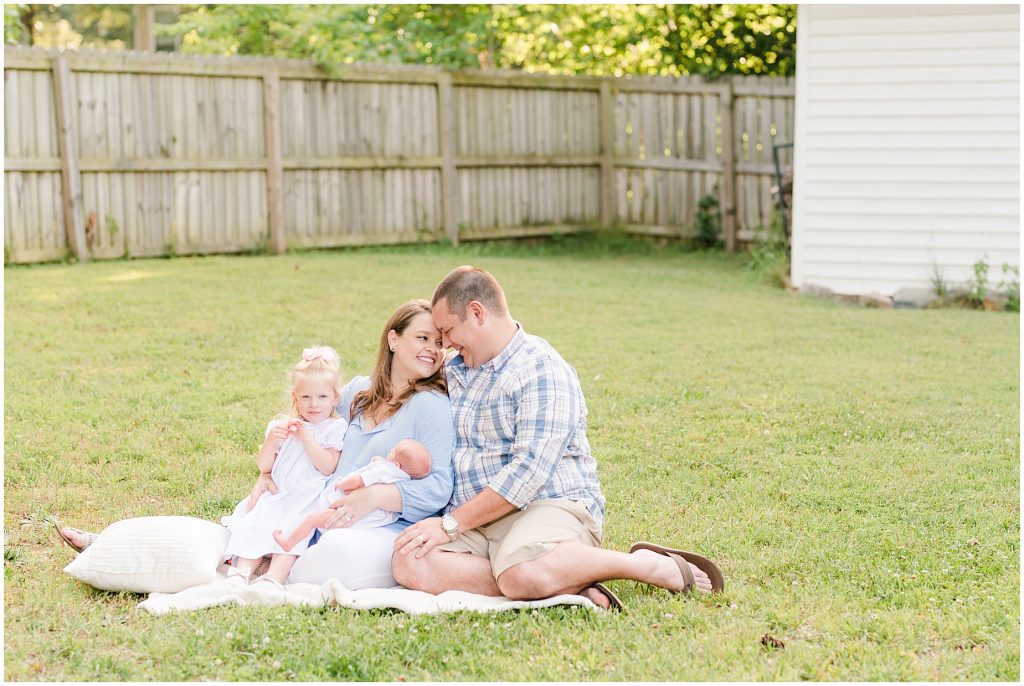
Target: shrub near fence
[(113, 154)]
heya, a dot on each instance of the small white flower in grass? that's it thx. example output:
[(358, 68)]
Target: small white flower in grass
[(732, 606), (266, 640), (277, 664), (229, 635), (199, 632), (218, 662)]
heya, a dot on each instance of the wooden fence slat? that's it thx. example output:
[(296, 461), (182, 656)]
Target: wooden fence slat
[(70, 179), (607, 142), (728, 207), (275, 171), (449, 182)]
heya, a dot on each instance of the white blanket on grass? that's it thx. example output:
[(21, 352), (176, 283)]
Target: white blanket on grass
[(225, 591)]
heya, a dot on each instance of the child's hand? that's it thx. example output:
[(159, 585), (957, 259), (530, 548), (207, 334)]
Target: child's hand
[(297, 428), (278, 434), (264, 484)]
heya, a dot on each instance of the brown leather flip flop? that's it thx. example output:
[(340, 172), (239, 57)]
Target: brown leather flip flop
[(616, 604), (699, 561)]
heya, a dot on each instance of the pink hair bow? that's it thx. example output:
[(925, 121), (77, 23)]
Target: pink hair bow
[(310, 354)]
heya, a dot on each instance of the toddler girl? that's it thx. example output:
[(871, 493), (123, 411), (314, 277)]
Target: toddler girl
[(300, 453)]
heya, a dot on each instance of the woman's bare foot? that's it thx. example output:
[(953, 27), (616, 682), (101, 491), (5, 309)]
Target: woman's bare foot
[(665, 573), (76, 538)]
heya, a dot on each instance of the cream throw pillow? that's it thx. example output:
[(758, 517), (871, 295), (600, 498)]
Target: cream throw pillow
[(152, 555)]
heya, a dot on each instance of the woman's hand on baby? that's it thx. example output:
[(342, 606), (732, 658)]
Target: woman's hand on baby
[(264, 484), (351, 508)]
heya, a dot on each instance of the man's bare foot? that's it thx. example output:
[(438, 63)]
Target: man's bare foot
[(602, 596), (595, 596), (665, 573)]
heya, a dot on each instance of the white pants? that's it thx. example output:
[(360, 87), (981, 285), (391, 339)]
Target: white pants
[(359, 558)]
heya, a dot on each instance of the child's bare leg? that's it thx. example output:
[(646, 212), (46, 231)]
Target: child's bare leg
[(280, 567), (246, 565), (303, 530)]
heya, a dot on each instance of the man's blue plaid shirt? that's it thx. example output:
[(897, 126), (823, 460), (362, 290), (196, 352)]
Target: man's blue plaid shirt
[(521, 428)]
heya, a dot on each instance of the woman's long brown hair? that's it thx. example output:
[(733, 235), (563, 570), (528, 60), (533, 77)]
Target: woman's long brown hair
[(377, 396)]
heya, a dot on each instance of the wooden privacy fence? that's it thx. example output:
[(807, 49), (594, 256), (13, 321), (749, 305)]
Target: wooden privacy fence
[(114, 154)]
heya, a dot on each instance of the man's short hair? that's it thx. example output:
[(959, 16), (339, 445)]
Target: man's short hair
[(465, 284)]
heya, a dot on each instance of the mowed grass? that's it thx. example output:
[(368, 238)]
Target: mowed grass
[(854, 471)]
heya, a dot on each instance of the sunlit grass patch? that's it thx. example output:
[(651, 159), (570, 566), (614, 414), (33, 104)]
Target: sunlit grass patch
[(854, 471)]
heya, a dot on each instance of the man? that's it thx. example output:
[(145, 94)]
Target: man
[(525, 518)]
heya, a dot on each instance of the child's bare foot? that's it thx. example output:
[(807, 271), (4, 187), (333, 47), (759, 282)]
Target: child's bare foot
[(281, 540)]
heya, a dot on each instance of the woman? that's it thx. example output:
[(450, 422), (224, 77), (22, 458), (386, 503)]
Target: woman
[(403, 398)]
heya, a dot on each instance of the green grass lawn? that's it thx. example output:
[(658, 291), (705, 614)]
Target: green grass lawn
[(854, 471)]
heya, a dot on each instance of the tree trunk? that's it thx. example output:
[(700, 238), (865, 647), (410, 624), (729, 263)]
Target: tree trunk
[(27, 16)]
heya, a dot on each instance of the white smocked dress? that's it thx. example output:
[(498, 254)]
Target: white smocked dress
[(299, 486)]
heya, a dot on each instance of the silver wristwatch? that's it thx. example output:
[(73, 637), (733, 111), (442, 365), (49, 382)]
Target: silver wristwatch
[(450, 526)]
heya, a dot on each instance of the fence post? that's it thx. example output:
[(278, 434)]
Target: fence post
[(729, 168), (446, 121), (275, 170), (69, 175), (607, 126), (142, 35)]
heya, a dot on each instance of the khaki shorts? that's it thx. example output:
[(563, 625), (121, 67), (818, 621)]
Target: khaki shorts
[(527, 534)]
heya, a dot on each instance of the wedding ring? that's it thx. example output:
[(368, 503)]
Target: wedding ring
[(420, 540), (348, 518)]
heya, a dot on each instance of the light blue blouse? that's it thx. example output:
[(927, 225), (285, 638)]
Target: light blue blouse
[(426, 418)]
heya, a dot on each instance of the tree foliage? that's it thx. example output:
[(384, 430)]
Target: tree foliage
[(69, 26), (15, 30), (569, 39)]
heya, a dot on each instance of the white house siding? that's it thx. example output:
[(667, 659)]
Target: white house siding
[(907, 144)]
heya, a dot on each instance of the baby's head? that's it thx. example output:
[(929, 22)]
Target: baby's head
[(316, 384), (411, 457)]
